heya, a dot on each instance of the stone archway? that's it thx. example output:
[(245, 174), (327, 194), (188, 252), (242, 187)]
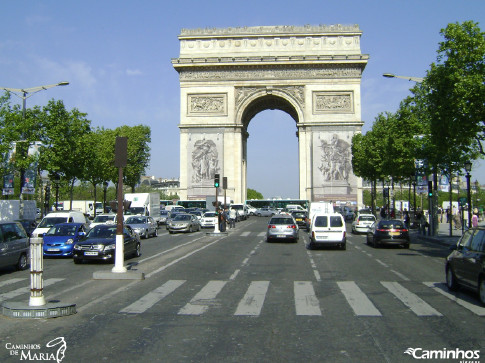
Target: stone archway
[(227, 76)]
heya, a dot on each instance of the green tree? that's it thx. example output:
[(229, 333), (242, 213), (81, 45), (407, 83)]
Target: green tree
[(253, 194), (64, 146)]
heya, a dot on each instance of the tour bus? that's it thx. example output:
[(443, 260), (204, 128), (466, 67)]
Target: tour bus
[(278, 203)]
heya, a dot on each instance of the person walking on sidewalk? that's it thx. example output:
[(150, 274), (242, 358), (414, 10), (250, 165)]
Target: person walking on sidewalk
[(475, 220)]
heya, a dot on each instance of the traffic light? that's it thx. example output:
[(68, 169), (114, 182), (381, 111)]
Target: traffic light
[(430, 188), (217, 180)]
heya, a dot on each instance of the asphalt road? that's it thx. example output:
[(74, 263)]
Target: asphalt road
[(237, 298)]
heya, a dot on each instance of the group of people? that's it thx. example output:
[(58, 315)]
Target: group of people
[(226, 216)]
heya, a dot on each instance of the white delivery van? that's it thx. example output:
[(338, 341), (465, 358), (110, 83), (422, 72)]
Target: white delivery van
[(67, 216), (241, 211), (295, 207), (328, 229)]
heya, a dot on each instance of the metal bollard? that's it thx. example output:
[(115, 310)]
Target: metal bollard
[(36, 271)]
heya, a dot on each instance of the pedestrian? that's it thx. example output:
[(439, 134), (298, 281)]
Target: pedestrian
[(383, 213), (475, 220), (407, 219), (222, 221), (422, 223), (232, 218)]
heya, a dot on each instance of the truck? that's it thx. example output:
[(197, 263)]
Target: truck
[(147, 204), (84, 206), (320, 207)]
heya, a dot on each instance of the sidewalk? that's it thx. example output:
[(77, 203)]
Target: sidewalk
[(443, 236)]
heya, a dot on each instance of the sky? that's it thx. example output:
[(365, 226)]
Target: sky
[(116, 56)]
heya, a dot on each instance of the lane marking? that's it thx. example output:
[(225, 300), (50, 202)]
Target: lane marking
[(153, 297), (205, 298), (306, 302), (11, 281), (411, 300), (252, 302), (357, 300)]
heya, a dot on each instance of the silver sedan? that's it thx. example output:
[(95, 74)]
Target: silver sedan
[(183, 222)]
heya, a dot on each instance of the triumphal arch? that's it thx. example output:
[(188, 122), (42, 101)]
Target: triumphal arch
[(228, 75)]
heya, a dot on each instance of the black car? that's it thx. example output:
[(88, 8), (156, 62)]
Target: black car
[(100, 244), (465, 266), (301, 218), (388, 231)]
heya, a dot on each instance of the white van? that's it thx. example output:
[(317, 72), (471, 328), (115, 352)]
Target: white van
[(68, 216), (293, 207), (241, 210), (328, 229)]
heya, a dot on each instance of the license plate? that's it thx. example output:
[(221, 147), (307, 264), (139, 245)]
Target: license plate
[(281, 236), (53, 249), (299, 219), (395, 233), (90, 253)]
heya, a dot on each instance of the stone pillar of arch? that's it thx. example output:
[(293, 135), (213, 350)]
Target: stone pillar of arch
[(227, 76)]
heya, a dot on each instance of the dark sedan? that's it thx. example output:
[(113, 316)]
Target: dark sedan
[(465, 266), (390, 231), (301, 218), (100, 244)]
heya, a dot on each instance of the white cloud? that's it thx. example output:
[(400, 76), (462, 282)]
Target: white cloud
[(133, 72)]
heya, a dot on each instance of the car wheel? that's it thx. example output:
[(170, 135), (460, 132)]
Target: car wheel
[(190, 229), (156, 232), (138, 250), (77, 261), (481, 290), (22, 262), (343, 246), (406, 245), (451, 282)]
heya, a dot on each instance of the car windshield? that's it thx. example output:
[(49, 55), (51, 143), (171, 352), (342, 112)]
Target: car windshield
[(391, 224), (62, 231), (367, 218), (136, 220), (135, 210), (209, 214), (52, 221), (182, 217), (281, 221), (299, 214), (102, 219), (102, 232)]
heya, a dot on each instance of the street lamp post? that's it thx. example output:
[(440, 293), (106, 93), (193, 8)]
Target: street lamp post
[(413, 79), (468, 168)]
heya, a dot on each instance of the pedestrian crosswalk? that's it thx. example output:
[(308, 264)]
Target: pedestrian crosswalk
[(308, 298)]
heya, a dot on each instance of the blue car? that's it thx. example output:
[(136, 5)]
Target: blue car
[(60, 239)]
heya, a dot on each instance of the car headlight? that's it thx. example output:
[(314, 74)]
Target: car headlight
[(109, 247), (77, 247), (69, 241)]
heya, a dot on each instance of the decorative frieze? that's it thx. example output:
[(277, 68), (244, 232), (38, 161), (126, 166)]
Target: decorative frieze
[(269, 73), (333, 102), (207, 104), (295, 92)]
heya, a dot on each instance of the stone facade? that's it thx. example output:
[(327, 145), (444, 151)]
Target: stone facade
[(227, 76)]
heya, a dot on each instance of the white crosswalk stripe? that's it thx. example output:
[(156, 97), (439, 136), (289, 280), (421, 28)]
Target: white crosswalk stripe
[(153, 297), (306, 302), (23, 290), (11, 281), (416, 304), (440, 287), (201, 302), (357, 300), (252, 302)]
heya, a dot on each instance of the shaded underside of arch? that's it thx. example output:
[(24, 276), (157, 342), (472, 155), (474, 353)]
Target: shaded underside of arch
[(268, 102)]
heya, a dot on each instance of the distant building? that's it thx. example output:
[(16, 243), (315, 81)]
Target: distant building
[(165, 185)]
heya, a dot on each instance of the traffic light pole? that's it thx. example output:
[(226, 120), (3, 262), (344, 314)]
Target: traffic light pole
[(216, 185)]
